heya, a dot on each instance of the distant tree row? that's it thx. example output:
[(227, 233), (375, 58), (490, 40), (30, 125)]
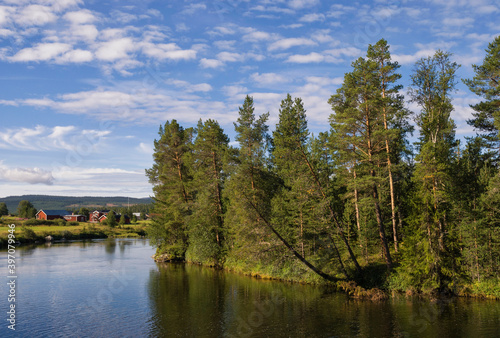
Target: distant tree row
[(351, 198)]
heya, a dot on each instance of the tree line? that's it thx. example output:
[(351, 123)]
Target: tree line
[(350, 200)]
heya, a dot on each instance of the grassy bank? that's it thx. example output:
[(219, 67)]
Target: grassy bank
[(26, 231), (376, 284)]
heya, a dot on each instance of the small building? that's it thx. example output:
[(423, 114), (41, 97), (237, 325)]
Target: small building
[(95, 216), (75, 218), (51, 214), (101, 216)]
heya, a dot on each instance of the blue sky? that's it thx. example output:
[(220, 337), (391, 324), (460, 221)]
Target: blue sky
[(86, 84)]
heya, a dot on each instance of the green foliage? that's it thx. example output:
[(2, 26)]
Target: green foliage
[(171, 177), (26, 210), (206, 224), (298, 207), (84, 211), (3, 209), (250, 185), (486, 84), (39, 222), (28, 233), (432, 232), (111, 219)]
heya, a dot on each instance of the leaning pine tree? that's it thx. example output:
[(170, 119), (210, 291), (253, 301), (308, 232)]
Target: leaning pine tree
[(250, 184)]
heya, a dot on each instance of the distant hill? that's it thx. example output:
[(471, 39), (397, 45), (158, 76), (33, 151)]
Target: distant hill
[(67, 202)]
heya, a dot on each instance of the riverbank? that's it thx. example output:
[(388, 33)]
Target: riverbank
[(375, 287), (72, 231)]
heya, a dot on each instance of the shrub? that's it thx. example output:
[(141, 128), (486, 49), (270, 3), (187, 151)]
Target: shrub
[(29, 234), (38, 222)]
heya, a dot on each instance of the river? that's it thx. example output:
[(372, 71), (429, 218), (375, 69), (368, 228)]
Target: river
[(112, 288)]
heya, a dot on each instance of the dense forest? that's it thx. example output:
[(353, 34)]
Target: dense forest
[(357, 202)]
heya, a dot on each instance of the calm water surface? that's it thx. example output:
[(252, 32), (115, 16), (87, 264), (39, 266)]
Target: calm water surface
[(112, 288)]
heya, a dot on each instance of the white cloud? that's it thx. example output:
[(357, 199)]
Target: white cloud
[(308, 58), (221, 30), (229, 57), (267, 78), (167, 51), (87, 33), (210, 63), (42, 138), (253, 35), (312, 17), (272, 9), (189, 88), (35, 15), (324, 81), (235, 91), (80, 17), (26, 175), (459, 22), (299, 4), (122, 17), (289, 43), (192, 8), (76, 56), (145, 148), (412, 58), (41, 52), (115, 49)]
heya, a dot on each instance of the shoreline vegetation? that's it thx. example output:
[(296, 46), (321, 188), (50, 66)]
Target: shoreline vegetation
[(372, 292), (363, 205), (33, 231)]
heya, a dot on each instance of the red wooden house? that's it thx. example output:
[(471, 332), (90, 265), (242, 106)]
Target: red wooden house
[(51, 214), (101, 216), (59, 214)]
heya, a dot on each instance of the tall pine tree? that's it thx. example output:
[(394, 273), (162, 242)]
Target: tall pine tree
[(170, 176)]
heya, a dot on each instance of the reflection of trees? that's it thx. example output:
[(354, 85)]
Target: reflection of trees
[(110, 246), (122, 244), (185, 301), (188, 300)]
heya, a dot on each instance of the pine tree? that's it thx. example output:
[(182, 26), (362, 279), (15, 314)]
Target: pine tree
[(251, 184), (302, 206), (170, 176), (395, 118), (433, 81), (360, 137), (206, 224), (486, 84)]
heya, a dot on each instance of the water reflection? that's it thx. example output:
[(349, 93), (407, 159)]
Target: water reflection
[(93, 289), (187, 300)]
